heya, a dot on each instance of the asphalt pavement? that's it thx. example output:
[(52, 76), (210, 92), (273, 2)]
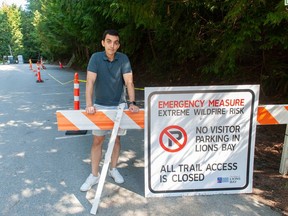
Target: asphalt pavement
[(42, 169)]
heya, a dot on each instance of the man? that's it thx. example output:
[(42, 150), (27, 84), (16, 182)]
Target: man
[(110, 71)]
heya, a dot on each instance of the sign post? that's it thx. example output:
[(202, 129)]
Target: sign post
[(200, 140), (284, 159)]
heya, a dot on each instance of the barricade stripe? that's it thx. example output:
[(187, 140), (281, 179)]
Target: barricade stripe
[(111, 114), (78, 119), (128, 123), (100, 120), (264, 117), (137, 118), (104, 120), (279, 113), (64, 123)]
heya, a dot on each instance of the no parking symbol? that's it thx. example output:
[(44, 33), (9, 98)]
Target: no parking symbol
[(173, 138)]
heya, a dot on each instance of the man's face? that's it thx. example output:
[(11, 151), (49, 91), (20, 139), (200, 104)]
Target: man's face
[(111, 44)]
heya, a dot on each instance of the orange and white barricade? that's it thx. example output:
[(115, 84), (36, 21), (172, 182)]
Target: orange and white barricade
[(273, 115), (101, 120)]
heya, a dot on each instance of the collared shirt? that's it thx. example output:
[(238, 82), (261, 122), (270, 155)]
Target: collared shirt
[(109, 85)]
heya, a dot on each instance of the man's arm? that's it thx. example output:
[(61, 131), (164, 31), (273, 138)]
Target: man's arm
[(90, 80), (128, 79)]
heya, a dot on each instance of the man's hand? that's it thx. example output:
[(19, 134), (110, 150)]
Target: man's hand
[(90, 109), (133, 108)]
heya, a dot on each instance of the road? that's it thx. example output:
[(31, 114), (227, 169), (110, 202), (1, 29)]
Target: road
[(42, 169)]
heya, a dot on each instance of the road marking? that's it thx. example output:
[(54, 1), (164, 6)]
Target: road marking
[(59, 80)]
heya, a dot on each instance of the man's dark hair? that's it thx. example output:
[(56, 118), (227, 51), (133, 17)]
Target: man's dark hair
[(110, 32)]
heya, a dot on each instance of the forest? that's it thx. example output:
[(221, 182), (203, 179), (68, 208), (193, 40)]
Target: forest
[(170, 42)]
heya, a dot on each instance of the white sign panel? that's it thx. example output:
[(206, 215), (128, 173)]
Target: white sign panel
[(199, 140)]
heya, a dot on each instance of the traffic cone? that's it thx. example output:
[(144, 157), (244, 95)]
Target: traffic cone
[(39, 80), (76, 105), (76, 92), (60, 65)]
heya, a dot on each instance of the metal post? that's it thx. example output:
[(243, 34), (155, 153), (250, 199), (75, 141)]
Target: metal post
[(284, 159)]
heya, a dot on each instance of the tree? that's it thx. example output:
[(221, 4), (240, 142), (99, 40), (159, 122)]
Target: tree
[(5, 35), (13, 14), (30, 39)]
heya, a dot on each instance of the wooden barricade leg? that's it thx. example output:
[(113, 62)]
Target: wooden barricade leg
[(107, 159), (284, 159)]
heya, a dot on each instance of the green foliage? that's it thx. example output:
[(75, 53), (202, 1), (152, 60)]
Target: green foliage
[(30, 39), (169, 38), (12, 35), (6, 35)]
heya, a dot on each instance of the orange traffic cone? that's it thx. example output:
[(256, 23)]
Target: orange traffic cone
[(76, 105), (39, 80), (76, 92)]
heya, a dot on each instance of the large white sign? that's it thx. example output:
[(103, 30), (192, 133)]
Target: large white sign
[(199, 140)]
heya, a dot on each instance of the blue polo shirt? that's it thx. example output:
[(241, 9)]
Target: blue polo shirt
[(109, 85)]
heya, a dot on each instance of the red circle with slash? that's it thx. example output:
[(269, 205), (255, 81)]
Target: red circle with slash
[(167, 132)]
